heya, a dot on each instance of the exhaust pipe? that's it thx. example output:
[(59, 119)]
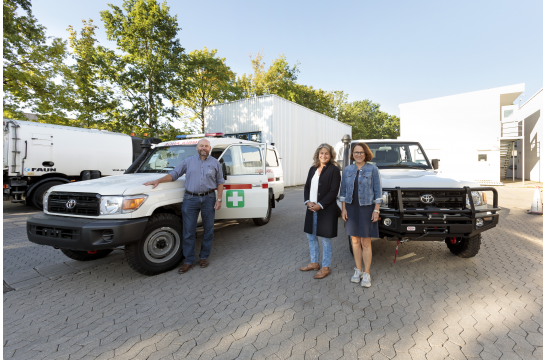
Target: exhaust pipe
[(146, 146), (346, 150)]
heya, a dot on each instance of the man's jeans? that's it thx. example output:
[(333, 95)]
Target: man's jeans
[(191, 207), (313, 245)]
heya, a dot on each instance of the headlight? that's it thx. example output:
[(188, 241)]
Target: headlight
[(46, 197), (111, 205), (479, 199), (385, 199)]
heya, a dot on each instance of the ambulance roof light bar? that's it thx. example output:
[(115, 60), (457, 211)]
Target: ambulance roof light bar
[(180, 137)]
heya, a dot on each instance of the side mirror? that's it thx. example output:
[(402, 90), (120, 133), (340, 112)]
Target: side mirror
[(224, 170), (435, 163)]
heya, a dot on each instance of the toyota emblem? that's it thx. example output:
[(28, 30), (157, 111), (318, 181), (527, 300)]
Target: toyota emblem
[(427, 199), (70, 204)]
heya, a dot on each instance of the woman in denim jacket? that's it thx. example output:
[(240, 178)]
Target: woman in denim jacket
[(361, 196)]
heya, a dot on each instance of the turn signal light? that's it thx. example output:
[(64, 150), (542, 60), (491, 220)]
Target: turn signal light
[(131, 204)]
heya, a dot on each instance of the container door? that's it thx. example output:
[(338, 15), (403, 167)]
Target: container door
[(246, 192)]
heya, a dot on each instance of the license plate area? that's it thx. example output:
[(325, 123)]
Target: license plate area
[(54, 232)]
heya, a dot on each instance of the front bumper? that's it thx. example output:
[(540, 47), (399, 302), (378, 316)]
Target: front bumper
[(438, 224), (83, 234)]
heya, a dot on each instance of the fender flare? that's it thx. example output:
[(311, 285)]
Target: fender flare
[(34, 186)]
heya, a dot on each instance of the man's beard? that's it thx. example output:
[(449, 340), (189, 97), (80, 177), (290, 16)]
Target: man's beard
[(204, 152)]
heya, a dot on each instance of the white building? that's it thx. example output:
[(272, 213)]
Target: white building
[(295, 130), (470, 133), (526, 120)]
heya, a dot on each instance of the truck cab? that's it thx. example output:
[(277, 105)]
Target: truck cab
[(419, 204), (86, 220)]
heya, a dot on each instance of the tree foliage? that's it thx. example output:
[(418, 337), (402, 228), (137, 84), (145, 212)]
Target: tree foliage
[(278, 79), (209, 81), (281, 79), (148, 81), (31, 64), (92, 98), (368, 122), (146, 68)]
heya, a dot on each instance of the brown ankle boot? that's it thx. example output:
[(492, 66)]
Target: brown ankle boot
[(311, 266), (322, 273)]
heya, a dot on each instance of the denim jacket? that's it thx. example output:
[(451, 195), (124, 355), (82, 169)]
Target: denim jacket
[(370, 189)]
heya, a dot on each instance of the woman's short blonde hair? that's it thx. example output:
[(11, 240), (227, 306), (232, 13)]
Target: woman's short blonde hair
[(329, 148)]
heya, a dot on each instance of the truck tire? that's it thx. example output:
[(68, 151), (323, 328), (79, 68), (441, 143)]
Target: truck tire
[(38, 194), (265, 220), (160, 248), (466, 247), (84, 255)]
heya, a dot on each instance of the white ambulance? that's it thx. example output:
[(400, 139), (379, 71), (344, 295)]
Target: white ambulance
[(87, 220)]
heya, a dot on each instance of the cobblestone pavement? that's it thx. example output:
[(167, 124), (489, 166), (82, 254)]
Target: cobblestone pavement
[(253, 302)]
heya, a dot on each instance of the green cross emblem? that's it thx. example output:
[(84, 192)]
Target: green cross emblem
[(235, 198)]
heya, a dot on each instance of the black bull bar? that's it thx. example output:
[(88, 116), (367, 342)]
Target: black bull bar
[(412, 223)]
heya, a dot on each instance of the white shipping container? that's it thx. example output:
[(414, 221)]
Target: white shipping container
[(295, 130)]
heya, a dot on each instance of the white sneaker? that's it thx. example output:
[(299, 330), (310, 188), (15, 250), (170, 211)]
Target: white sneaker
[(356, 278), (365, 280)]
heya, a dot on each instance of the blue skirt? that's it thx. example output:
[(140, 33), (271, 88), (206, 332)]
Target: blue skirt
[(359, 217)]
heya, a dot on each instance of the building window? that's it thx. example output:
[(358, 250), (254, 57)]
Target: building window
[(252, 136)]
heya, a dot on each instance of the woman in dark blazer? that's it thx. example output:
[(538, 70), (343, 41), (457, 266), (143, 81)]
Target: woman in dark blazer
[(321, 189)]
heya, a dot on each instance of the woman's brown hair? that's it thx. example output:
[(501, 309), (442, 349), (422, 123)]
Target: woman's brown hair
[(329, 148), (368, 153)]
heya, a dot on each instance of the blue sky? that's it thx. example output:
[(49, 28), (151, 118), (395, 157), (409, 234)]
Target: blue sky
[(390, 52)]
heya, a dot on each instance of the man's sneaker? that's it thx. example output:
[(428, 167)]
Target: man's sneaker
[(356, 278), (365, 280)]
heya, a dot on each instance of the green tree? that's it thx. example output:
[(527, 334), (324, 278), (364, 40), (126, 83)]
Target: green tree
[(92, 99), (30, 64), (146, 68), (281, 79), (209, 81), (368, 121), (278, 79)]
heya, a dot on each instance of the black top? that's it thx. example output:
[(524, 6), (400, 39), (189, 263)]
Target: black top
[(328, 188)]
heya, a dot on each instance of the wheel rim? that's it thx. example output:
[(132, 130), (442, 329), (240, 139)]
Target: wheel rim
[(161, 245)]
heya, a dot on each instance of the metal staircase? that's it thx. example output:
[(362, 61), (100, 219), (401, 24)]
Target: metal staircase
[(506, 151)]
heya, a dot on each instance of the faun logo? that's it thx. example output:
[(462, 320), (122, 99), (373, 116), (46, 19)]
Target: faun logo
[(42, 169)]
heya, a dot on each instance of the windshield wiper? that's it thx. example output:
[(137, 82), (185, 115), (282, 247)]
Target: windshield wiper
[(407, 166)]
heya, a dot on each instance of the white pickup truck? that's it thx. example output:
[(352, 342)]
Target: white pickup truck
[(87, 220), (419, 204)]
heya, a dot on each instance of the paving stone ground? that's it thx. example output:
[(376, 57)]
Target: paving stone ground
[(253, 302)]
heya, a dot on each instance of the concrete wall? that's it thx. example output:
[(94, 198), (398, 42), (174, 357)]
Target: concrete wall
[(457, 128)]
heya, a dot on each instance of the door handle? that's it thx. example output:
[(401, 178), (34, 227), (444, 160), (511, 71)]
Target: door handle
[(256, 185)]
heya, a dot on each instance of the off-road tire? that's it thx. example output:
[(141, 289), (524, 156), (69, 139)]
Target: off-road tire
[(467, 247), (265, 220), (84, 255), (160, 248), (38, 194)]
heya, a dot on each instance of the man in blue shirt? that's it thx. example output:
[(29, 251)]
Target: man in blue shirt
[(203, 175)]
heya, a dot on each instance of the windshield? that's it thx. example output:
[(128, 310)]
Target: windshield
[(398, 155), (166, 158)]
